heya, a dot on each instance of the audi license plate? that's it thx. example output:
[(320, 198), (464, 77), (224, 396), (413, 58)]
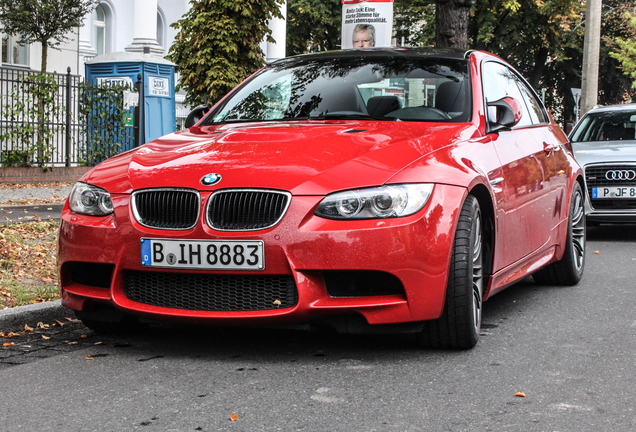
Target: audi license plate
[(203, 254), (614, 192)]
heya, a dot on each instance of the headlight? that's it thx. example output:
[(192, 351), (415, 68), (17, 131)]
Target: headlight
[(376, 203), (90, 200)]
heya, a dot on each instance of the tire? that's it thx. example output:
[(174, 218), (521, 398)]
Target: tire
[(569, 270), (109, 320), (460, 323)]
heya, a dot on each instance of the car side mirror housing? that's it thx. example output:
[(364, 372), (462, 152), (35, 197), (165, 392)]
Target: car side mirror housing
[(508, 113), (196, 115)]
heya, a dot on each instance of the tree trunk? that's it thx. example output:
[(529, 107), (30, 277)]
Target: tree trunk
[(45, 54), (451, 23), (540, 57)]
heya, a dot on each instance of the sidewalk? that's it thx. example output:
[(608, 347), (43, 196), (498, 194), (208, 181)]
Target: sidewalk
[(21, 203)]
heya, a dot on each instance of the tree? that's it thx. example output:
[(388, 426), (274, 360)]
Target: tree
[(218, 45), (451, 23), (48, 22), (625, 50), (543, 39), (414, 22), (528, 33), (615, 86), (45, 21), (313, 25)]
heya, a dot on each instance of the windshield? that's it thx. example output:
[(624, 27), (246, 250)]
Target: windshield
[(606, 126), (383, 88)]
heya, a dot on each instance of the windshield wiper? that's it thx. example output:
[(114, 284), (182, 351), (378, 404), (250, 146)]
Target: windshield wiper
[(338, 115), (241, 120)]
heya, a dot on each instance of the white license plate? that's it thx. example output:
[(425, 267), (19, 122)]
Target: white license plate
[(614, 192), (203, 254)]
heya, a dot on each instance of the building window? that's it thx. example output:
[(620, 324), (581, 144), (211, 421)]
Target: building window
[(160, 29), (14, 53), (99, 21)]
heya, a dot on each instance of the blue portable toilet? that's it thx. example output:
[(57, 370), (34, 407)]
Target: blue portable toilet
[(158, 113)]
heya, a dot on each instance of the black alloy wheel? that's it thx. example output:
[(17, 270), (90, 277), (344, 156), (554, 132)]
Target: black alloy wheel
[(460, 323), (569, 270)]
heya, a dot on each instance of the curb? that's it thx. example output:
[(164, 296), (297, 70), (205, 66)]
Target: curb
[(45, 312)]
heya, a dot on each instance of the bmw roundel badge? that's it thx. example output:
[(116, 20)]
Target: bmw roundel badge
[(210, 179)]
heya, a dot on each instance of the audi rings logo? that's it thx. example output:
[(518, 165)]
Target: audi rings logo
[(620, 175)]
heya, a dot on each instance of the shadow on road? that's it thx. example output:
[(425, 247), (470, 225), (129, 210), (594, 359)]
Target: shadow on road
[(612, 232)]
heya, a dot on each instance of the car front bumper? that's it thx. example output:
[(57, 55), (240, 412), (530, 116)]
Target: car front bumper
[(97, 256)]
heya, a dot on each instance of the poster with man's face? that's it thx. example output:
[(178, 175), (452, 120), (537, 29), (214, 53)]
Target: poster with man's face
[(366, 24)]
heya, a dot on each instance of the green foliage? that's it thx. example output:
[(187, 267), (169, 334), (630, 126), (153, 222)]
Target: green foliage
[(414, 20), (218, 45), (46, 21), (527, 33), (544, 41), (626, 52), (101, 109), (313, 25), (33, 112)]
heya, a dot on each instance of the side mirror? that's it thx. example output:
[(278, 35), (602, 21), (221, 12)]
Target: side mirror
[(196, 115), (508, 114)]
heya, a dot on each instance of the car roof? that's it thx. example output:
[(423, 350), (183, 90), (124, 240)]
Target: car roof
[(619, 107), (390, 52)]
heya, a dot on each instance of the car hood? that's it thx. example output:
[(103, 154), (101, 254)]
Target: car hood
[(306, 158), (598, 152)]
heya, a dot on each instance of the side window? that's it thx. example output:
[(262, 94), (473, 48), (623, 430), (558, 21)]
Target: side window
[(537, 113), (500, 82)]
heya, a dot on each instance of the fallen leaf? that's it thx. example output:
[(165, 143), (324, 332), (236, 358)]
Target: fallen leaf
[(84, 336), (8, 344), (45, 337), (69, 319), (277, 303), (520, 394), (233, 417), (98, 343), (60, 324), (89, 357), (27, 328), (597, 253), (9, 334), (73, 343)]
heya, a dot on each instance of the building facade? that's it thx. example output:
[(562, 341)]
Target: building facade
[(119, 26)]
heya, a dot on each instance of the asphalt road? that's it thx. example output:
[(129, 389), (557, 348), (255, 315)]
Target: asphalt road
[(570, 350)]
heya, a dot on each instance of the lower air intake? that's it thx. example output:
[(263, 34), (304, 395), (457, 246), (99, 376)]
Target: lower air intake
[(202, 292)]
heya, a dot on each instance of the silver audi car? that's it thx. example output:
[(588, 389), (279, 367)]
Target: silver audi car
[(604, 144)]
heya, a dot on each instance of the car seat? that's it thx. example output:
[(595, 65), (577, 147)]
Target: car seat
[(450, 97), (616, 132), (379, 106)]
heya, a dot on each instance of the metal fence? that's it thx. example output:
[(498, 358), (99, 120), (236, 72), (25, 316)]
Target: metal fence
[(60, 120)]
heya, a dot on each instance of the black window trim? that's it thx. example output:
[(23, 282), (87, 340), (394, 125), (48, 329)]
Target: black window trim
[(523, 80)]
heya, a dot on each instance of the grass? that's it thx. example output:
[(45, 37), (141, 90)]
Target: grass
[(27, 263)]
